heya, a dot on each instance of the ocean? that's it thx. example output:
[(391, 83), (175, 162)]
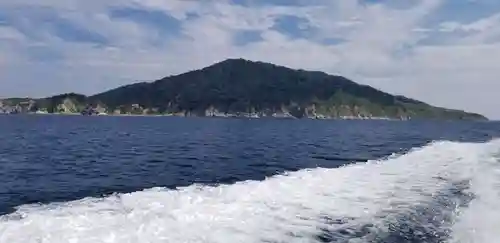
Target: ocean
[(77, 179)]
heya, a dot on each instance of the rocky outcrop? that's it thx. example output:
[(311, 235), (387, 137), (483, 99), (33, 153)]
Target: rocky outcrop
[(15, 106), (68, 106)]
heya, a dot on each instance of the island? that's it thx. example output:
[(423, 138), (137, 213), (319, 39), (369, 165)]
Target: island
[(242, 88)]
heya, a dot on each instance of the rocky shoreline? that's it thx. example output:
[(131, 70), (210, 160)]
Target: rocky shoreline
[(69, 106), (248, 116)]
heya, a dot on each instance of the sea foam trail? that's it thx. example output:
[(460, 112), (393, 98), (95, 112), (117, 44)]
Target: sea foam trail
[(480, 221), (415, 193)]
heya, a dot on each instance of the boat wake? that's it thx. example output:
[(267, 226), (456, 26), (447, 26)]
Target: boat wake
[(443, 192)]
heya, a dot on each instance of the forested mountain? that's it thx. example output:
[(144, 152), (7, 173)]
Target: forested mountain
[(245, 88)]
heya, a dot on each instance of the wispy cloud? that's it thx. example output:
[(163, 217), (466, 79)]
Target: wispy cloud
[(441, 51)]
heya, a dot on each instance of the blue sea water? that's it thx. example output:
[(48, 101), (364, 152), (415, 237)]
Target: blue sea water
[(167, 179)]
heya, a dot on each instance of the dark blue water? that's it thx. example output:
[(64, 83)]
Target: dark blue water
[(47, 159)]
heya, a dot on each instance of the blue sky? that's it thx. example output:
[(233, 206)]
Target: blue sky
[(444, 52)]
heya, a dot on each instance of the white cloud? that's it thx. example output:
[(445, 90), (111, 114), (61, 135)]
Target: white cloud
[(10, 34), (381, 46)]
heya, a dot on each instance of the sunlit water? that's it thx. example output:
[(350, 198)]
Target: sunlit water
[(153, 179)]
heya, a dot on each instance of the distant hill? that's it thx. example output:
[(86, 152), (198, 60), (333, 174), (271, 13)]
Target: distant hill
[(238, 87)]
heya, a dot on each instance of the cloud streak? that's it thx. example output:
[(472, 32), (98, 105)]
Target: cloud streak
[(412, 48)]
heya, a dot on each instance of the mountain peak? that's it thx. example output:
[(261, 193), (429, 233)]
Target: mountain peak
[(235, 61), (241, 64)]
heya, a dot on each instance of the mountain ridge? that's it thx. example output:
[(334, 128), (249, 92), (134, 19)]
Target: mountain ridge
[(240, 87)]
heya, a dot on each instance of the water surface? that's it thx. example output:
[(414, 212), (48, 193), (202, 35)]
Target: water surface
[(166, 179)]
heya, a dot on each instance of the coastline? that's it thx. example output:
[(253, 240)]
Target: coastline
[(217, 116), (251, 118), (276, 115)]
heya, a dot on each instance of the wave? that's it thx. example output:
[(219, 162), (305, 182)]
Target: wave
[(442, 192)]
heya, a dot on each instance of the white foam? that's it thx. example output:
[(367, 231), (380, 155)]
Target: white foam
[(285, 208), (480, 221)]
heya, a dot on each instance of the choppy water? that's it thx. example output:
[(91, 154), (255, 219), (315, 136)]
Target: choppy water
[(154, 179)]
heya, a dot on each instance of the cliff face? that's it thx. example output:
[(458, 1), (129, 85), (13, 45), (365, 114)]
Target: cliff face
[(238, 87), (17, 105), (67, 106)]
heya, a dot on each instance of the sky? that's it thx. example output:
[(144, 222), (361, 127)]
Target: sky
[(444, 52)]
